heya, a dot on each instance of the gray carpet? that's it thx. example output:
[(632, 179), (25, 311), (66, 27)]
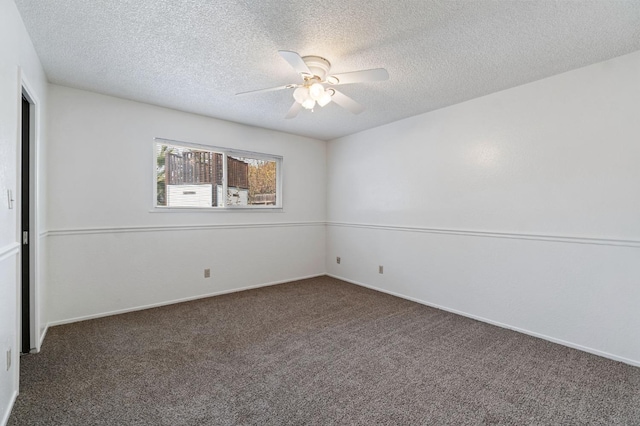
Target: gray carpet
[(318, 351)]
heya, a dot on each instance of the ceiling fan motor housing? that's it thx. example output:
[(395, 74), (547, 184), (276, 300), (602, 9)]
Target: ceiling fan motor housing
[(318, 66)]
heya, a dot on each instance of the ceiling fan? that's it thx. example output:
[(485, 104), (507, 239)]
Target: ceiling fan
[(317, 84)]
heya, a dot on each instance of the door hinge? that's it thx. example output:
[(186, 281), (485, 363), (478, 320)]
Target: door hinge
[(25, 237)]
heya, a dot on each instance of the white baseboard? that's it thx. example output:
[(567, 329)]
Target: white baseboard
[(635, 363), (171, 302), (7, 413)]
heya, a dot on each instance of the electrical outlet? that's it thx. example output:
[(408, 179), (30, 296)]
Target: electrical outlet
[(207, 273), (8, 359), (338, 260), (381, 269)]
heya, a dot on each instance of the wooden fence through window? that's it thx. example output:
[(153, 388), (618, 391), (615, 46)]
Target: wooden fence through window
[(205, 167)]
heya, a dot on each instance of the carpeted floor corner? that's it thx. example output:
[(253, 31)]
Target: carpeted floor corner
[(314, 352)]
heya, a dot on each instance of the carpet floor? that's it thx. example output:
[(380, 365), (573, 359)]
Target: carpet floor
[(314, 352)]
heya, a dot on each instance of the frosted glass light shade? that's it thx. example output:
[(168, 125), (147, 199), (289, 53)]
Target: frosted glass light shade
[(324, 99), (315, 91), (308, 103), (301, 94)]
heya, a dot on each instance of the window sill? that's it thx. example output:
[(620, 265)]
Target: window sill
[(216, 210)]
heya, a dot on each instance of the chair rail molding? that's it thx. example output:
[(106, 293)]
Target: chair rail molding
[(493, 234)]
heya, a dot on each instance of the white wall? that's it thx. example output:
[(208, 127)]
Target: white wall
[(109, 253), (18, 62), (520, 208)]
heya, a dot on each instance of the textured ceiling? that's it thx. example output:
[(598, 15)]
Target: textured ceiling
[(194, 55)]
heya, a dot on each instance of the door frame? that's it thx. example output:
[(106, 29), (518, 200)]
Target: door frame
[(25, 89)]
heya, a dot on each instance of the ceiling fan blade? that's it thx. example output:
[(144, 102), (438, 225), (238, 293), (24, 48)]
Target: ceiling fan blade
[(294, 110), (346, 102), (295, 61), (270, 89), (377, 74)]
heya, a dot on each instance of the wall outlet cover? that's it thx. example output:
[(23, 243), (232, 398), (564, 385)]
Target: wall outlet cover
[(207, 273)]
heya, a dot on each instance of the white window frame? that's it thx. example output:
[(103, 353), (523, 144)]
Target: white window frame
[(226, 152)]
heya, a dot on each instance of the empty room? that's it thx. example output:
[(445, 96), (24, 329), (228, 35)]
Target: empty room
[(338, 212)]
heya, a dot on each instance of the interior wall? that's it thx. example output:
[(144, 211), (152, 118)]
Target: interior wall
[(18, 61), (519, 208), (109, 252)]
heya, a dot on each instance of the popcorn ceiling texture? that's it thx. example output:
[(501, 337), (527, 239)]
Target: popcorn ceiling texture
[(195, 55)]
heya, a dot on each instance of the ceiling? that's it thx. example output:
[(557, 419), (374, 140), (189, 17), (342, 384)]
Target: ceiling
[(195, 55)]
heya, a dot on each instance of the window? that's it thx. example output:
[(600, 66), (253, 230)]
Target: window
[(192, 176)]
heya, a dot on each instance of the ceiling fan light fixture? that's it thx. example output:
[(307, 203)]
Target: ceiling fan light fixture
[(324, 99), (301, 94), (308, 103), (316, 90)]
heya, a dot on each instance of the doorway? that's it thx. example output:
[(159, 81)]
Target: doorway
[(26, 215)]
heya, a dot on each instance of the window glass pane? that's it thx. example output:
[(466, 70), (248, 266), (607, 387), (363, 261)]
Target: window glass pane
[(197, 177), (188, 177), (251, 181)]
